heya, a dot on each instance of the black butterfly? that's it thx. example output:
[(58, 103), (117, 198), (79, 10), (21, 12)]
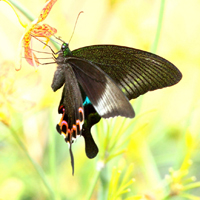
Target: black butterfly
[(99, 81)]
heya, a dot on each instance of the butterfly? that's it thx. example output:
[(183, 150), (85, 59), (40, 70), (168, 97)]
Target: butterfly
[(98, 82)]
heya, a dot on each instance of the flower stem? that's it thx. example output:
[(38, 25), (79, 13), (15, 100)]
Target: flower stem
[(35, 165), (159, 26), (92, 187), (22, 9)]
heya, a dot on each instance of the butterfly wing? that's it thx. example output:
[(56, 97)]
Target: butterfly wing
[(106, 97), (134, 71), (91, 118), (71, 105)]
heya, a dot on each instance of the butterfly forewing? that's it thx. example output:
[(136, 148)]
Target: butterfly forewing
[(134, 71), (104, 94)]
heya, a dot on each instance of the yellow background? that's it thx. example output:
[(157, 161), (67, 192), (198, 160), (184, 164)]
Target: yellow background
[(29, 106)]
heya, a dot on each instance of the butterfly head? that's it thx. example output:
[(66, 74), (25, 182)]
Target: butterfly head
[(65, 49)]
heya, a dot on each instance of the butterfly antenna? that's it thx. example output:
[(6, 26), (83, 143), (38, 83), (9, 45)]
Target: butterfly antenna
[(59, 38), (75, 25)]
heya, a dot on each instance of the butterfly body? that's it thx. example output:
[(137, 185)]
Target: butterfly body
[(99, 81)]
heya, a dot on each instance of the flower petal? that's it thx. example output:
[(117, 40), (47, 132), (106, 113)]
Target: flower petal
[(43, 31), (39, 31), (45, 11), (28, 53)]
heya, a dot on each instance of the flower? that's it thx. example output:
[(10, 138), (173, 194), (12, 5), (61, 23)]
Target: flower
[(38, 31), (35, 30)]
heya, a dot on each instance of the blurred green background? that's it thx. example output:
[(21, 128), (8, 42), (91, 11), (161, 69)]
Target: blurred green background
[(154, 156)]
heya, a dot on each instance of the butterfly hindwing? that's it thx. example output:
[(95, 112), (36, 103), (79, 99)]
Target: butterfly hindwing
[(134, 71), (91, 118)]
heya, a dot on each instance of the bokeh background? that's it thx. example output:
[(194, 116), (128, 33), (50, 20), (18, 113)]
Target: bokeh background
[(154, 156)]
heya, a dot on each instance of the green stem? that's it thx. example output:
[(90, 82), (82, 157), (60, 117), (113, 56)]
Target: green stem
[(22, 9), (155, 44), (92, 187), (149, 165), (52, 158), (104, 179), (166, 197), (35, 165), (191, 186), (159, 26)]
